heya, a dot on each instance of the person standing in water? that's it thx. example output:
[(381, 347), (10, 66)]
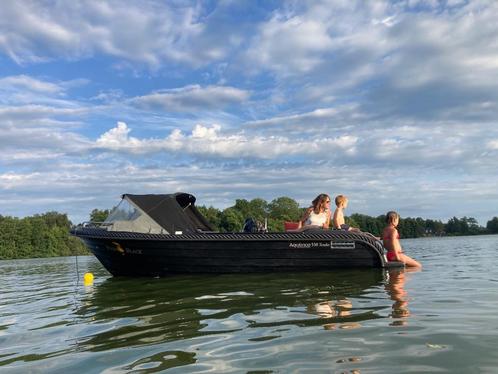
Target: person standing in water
[(390, 238)]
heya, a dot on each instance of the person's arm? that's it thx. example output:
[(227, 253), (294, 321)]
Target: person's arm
[(326, 225), (396, 245), (334, 220)]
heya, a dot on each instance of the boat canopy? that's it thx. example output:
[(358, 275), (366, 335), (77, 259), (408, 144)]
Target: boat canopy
[(167, 214)]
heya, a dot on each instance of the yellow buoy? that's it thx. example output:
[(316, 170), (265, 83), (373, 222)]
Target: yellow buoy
[(88, 278)]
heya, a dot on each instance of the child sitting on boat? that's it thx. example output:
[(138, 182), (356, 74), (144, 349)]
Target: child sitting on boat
[(339, 223), (318, 214), (390, 238)]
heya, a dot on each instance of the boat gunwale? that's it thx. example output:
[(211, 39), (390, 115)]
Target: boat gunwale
[(339, 235)]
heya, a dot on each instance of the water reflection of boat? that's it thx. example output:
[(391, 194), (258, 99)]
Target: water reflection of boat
[(153, 235), (134, 312)]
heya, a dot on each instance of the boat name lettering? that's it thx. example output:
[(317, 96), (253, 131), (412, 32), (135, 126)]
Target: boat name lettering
[(310, 245), (133, 251)]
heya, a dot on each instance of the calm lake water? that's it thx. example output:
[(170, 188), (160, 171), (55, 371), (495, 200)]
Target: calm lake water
[(441, 319)]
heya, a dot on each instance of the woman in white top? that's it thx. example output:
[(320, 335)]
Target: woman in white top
[(318, 214)]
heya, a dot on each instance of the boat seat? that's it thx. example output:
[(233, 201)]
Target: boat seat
[(291, 226)]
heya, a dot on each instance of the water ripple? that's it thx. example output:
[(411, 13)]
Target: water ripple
[(440, 319)]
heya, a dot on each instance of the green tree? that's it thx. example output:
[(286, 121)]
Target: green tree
[(8, 232), (411, 227), (473, 226), (351, 222), (367, 223), (434, 227), (242, 206), (256, 208), (38, 236), (212, 215), (231, 220), (55, 219), (453, 226), (98, 215), (492, 225), (464, 226), (285, 209)]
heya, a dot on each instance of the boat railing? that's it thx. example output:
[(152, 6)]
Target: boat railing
[(94, 225), (110, 226)]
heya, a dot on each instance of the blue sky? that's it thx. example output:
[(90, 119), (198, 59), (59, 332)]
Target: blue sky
[(393, 103)]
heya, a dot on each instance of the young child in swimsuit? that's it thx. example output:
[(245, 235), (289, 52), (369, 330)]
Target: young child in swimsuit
[(341, 203), (390, 237)]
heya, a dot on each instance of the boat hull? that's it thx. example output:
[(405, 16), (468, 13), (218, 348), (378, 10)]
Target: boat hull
[(133, 254)]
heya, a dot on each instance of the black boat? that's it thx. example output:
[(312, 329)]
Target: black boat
[(156, 235)]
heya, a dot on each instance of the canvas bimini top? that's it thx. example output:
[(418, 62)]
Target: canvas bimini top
[(157, 214)]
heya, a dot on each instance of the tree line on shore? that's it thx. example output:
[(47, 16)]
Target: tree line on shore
[(47, 235), (44, 235)]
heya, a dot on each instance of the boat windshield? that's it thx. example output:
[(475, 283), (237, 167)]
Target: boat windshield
[(127, 217), (123, 212)]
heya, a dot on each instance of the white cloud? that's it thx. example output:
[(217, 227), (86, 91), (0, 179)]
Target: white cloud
[(329, 120), (211, 142), (453, 48), (424, 3), (330, 40), (29, 101), (147, 32), (116, 137), (24, 82), (493, 144), (302, 117), (38, 112), (29, 157), (31, 146), (11, 180), (418, 63), (191, 97), (293, 43), (452, 3)]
